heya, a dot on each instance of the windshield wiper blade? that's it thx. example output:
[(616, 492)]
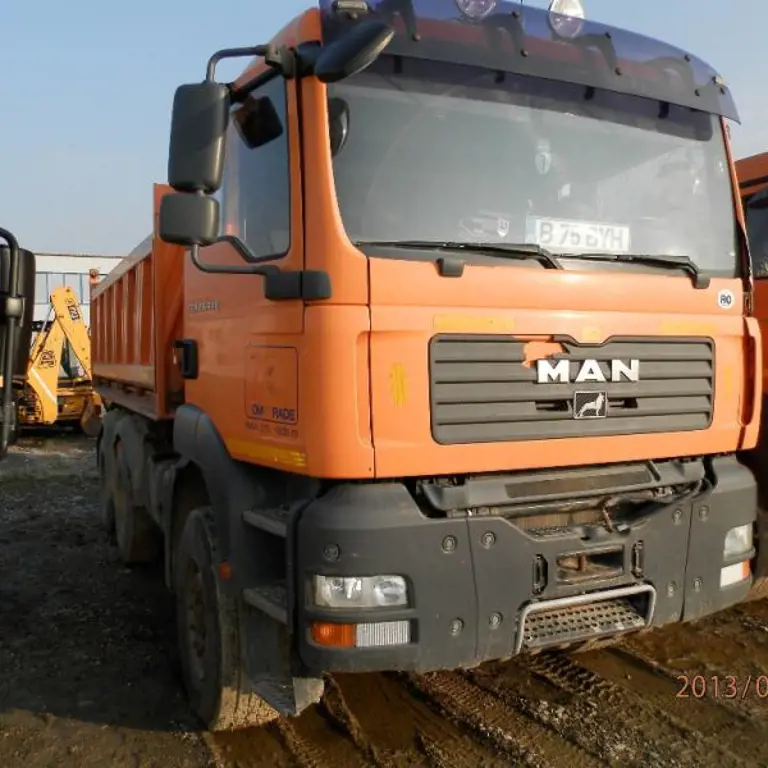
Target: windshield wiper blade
[(507, 250), (659, 260)]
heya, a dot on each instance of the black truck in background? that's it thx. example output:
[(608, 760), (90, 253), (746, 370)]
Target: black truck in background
[(17, 306)]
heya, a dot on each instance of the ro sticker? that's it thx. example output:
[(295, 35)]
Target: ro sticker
[(725, 299)]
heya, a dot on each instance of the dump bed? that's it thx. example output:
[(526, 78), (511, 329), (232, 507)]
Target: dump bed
[(136, 315), (752, 173)]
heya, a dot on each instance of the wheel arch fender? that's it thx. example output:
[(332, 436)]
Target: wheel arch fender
[(232, 486)]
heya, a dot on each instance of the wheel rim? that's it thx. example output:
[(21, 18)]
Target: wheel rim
[(194, 606)]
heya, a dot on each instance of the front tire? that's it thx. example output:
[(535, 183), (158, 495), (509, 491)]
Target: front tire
[(209, 635)]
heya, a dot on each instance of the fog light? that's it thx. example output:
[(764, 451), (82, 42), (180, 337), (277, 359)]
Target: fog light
[(737, 541), (360, 591), (733, 574)]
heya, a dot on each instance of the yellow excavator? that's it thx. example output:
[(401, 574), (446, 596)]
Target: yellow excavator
[(59, 386)]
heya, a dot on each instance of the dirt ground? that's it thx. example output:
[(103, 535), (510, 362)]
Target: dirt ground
[(89, 672)]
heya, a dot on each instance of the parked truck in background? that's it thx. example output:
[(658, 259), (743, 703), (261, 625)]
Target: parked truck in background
[(752, 175), (17, 305), (438, 352)]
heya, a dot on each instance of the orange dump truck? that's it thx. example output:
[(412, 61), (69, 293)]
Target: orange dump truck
[(438, 351)]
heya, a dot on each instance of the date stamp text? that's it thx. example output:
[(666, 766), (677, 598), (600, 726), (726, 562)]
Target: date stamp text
[(722, 686)]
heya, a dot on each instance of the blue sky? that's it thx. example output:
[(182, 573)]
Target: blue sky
[(87, 87)]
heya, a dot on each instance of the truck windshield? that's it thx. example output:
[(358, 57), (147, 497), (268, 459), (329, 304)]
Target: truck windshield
[(436, 152)]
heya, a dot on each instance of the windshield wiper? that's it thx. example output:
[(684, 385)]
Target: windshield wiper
[(659, 260), (507, 250)]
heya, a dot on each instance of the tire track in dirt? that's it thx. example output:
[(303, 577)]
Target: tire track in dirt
[(726, 653), (636, 715), (397, 727), (500, 725), (641, 678), (308, 741), (573, 718)]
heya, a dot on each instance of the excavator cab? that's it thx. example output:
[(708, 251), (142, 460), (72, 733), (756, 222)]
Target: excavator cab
[(17, 299)]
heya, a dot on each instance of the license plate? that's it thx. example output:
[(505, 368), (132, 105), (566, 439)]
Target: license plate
[(569, 235)]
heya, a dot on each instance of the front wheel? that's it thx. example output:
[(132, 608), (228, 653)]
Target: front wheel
[(209, 635)]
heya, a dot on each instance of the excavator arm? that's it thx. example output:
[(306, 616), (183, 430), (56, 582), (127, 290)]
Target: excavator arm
[(66, 326), (69, 316)]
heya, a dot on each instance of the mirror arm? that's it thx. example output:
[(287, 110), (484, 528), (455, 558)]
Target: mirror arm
[(281, 58), (234, 53), (305, 284)]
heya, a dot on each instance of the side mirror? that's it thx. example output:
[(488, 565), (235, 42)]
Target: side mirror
[(338, 123), (188, 220), (257, 121), (353, 52), (198, 129)]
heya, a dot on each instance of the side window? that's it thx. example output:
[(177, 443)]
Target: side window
[(41, 288), (255, 197), (756, 212), (73, 281)]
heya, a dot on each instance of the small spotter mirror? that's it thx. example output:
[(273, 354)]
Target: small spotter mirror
[(338, 124), (353, 52), (257, 121)]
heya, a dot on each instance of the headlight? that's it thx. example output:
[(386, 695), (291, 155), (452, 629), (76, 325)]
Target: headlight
[(360, 591), (737, 541)]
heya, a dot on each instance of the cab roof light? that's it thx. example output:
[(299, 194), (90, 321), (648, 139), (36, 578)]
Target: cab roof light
[(566, 18)]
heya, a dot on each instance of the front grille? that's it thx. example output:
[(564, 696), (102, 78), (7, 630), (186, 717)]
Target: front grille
[(481, 391)]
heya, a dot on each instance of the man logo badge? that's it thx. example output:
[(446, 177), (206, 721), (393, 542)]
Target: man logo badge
[(590, 405)]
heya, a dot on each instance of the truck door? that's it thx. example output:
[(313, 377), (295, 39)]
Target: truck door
[(249, 346)]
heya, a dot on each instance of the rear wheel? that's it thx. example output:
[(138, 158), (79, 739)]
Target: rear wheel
[(137, 537), (208, 622), (106, 502)]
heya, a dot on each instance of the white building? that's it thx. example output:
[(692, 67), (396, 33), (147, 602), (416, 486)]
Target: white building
[(57, 269)]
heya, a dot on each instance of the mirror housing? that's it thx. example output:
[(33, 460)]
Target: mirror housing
[(353, 52), (198, 129), (188, 220)]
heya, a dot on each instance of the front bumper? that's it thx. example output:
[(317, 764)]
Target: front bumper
[(476, 589)]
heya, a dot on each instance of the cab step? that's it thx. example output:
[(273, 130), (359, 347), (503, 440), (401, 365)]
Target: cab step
[(274, 521), (271, 599)]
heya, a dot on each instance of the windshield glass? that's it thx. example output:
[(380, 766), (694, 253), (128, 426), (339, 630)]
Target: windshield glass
[(438, 152)]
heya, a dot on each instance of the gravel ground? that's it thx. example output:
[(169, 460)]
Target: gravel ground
[(88, 669)]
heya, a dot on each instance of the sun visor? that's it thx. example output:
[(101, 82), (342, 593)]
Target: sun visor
[(510, 37)]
